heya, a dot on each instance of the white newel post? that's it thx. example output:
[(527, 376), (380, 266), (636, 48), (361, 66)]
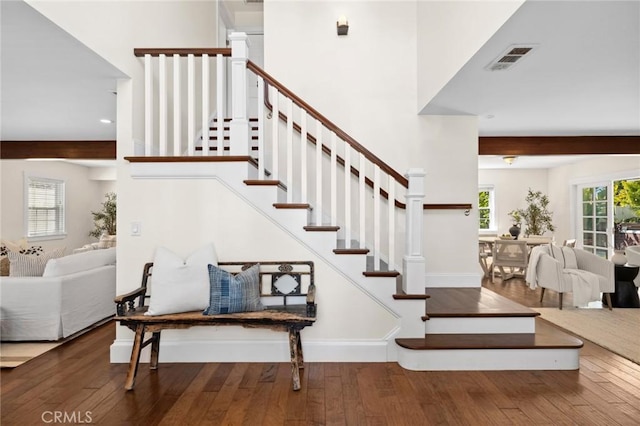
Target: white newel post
[(413, 261), (239, 126)]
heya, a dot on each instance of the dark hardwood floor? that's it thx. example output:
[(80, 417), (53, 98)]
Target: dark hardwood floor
[(77, 379)]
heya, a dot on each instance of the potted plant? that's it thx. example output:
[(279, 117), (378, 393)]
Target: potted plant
[(536, 215), (105, 219)]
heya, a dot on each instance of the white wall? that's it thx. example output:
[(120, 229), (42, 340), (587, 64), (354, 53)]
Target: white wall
[(185, 214), (449, 34), (562, 181), (510, 189), (82, 196), (367, 83)]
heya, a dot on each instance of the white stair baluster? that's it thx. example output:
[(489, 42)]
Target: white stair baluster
[(220, 83), (334, 180), (148, 105), (362, 227), (162, 107), (177, 108), (303, 155), (275, 142), (347, 195), (205, 104), (260, 128), (392, 222), (376, 217), (318, 207), (191, 114), (289, 151)]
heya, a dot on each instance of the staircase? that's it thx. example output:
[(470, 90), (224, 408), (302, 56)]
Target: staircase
[(339, 200)]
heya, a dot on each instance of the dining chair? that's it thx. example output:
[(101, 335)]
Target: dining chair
[(484, 253), (569, 243), (509, 254)]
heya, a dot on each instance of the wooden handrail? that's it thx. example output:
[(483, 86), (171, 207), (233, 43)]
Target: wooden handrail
[(329, 125), (224, 51), (339, 159)]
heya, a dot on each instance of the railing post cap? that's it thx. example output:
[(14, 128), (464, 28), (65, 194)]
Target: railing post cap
[(415, 172), (238, 37)]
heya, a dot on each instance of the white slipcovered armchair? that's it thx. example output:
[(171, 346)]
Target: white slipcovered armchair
[(567, 269), (633, 258)]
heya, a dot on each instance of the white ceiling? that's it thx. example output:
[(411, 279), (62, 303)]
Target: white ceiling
[(583, 78), (53, 86)]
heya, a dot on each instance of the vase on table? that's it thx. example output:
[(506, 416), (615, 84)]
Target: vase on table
[(514, 231)]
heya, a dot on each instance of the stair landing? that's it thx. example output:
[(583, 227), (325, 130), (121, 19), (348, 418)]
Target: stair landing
[(477, 329), (473, 302)]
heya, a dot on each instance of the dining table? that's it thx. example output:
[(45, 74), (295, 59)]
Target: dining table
[(486, 248)]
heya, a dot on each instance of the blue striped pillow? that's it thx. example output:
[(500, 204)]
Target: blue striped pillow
[(234, 293)]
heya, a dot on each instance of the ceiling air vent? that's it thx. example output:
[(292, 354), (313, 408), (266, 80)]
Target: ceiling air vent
[(510, 57)]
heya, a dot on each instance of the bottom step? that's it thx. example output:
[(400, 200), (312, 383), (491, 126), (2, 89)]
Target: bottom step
[(547, 349)]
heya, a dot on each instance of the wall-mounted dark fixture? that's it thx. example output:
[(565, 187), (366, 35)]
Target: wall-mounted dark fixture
[(343, 26)]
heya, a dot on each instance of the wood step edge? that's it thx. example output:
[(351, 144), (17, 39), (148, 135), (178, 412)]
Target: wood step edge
[(381, 273), (258, 182), (350, 251), (502, 314), (404, 296), (303, 206), (490, 341), (321, 228)]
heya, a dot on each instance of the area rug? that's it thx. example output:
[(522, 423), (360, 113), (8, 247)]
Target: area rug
[(615, 330), (13, 354)]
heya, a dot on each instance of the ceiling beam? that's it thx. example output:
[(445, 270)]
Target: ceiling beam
[(76, 150), (558, 145)]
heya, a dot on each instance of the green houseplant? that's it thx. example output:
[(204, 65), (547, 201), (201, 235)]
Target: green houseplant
[(536, 215), (105, 219)]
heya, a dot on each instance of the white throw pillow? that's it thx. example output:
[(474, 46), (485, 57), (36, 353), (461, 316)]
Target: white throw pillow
[(179, 285), (23, 265), (79, 262), (570, 260)]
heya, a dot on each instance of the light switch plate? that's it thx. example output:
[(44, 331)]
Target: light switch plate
[(136, 229)]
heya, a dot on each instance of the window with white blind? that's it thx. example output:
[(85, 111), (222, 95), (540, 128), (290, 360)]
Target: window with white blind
[(44, 207)]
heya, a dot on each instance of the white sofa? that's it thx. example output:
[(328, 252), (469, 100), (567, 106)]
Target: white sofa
[(567, 269), (74, 292)]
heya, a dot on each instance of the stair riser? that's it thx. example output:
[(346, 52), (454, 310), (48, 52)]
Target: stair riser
[(488, 359), (476, 325)]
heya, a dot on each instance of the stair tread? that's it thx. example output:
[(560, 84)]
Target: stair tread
[(321, 228), (350, 251), (545, 337), (381, 273), (473, 302), (291, 205)]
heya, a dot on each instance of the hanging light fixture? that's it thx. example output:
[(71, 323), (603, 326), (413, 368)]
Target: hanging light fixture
[(509, 159)]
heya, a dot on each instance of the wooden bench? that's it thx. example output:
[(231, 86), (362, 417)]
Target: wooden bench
[(287, 291)]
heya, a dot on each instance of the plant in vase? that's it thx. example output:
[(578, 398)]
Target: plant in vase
[(517, 220), (105, 220), (536, 215)]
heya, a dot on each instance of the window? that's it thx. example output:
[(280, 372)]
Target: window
[(44, 200), (486, 210)]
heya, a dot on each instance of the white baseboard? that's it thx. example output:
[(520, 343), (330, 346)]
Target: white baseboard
[(453, 280), (255, 351)]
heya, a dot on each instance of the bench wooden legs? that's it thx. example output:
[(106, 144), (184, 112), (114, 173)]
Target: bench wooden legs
[(297, 359), (135, 357), (138, 345), (155, 350)]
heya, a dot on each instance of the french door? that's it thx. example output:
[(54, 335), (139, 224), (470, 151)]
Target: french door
[(594, 217)]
